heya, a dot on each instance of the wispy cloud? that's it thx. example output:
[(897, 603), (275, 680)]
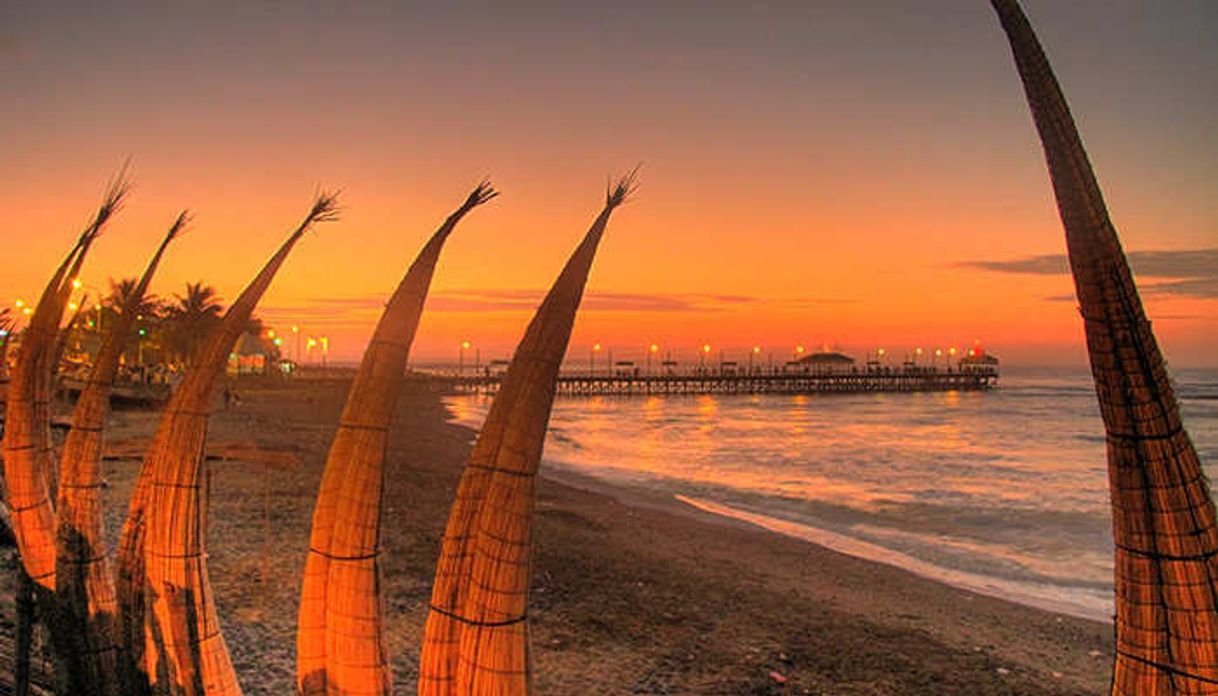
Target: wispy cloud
[(513, 300), (362, 309), (1185, 273)]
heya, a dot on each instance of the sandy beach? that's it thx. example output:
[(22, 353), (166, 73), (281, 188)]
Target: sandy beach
[(633, 592)]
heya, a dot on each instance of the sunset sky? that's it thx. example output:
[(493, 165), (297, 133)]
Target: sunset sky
[(858, 174)]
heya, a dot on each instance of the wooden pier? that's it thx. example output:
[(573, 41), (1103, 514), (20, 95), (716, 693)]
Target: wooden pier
[(715, 382)]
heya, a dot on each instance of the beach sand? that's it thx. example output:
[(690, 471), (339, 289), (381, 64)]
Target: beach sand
[(633, 592)]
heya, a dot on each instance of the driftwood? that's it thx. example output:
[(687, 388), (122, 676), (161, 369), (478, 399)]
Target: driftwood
[(341, 644), (1163, 517), (476, 638)]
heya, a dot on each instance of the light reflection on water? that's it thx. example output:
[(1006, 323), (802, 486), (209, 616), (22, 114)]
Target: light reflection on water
[(1008, 486)]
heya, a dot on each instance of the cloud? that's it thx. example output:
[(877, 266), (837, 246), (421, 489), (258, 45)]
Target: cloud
[(527, 300), (1051, 264), (604, 301), (522, 300), (1184, 273), (360, 310)]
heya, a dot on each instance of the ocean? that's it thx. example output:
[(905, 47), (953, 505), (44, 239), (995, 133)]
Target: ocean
[(1002, 492)]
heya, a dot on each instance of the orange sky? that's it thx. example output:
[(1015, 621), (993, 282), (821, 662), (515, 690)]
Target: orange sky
[(812, 172)]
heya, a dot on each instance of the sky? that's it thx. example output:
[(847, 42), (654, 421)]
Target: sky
[(847, 174)]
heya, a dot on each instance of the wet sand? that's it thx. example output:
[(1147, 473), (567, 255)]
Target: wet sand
[(633, 592)]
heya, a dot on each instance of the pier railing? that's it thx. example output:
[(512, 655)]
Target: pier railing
[(711, 381)]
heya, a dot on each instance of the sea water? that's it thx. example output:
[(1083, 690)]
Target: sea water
[(1002, 492)]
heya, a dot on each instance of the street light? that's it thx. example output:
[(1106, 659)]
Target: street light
[(76, 283), (296, 330), (752, 354), (651, 350), (702, 357), (139, 344), (596, 348), (465, 345)]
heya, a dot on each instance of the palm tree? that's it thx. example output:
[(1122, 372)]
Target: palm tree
[(120, 293), (189, 319), (148, 312)]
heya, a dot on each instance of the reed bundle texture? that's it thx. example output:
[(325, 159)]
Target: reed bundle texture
[(6, 328), (84, 580), (1163, 512), (28, 449), (476, 639), (184, 651), (340, 645)]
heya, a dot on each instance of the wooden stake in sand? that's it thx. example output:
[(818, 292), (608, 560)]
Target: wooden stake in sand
[(340, 644), (476, 638), (84, 581), (184, 651), (1163, 513)]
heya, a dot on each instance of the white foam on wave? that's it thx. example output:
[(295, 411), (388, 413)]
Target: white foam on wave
[(1084, 603)]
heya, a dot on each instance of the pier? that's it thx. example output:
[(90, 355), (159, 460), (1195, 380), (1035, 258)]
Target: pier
[(623, 383)]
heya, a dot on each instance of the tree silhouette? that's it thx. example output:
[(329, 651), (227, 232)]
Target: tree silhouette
[(121, 291), (190, 318)]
